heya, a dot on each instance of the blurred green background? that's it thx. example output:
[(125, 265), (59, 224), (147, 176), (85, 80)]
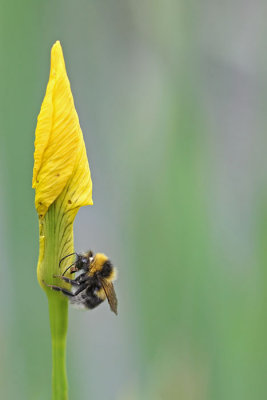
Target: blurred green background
[(172, 100)]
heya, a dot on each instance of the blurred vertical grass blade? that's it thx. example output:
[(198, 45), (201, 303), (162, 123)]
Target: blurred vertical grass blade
[(172, 232), (21, 67), (261, 318)]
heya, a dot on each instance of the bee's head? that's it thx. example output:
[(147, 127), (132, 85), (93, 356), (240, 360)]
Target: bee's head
[(84, 260)]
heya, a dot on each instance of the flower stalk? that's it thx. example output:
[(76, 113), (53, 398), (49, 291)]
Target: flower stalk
[(58, 304), (62, 182)]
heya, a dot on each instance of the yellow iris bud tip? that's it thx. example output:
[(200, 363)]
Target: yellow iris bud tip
[(60, 156)]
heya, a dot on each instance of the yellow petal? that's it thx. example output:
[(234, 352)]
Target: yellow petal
[(60, 156)]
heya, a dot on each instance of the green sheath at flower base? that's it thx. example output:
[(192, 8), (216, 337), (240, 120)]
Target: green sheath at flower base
[(62, 182)]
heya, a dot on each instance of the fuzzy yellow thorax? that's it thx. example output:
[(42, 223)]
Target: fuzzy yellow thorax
[(97, 263)]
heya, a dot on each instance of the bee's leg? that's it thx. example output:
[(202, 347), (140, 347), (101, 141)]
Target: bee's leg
[(65, 291), (78, 281), (60, 289), (71, 281)]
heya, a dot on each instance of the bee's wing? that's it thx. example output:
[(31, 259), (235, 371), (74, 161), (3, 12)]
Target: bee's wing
[(110, 293)]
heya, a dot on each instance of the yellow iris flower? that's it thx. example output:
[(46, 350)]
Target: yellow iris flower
[(61, 174), (62, 182)]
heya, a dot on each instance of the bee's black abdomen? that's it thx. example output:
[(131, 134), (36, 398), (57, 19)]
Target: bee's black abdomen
[(106, 269), (92, 300)]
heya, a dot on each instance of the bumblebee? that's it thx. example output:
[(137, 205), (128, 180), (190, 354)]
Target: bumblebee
[(93, 285)]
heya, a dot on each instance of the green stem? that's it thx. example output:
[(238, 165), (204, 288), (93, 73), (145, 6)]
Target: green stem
[(58, 311), (56, 240)]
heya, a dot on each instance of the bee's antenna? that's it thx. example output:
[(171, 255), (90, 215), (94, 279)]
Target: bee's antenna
[(68, 268), (71, 254)]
